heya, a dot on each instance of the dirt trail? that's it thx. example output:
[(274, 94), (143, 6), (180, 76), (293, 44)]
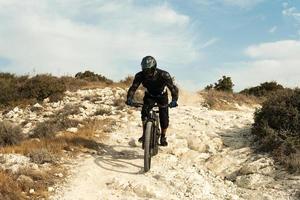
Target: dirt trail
[(209, 157)]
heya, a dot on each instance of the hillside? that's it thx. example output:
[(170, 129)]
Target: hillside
[(209, 156)]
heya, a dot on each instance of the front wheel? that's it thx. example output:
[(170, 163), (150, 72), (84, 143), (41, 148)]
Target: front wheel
[(147, 146)]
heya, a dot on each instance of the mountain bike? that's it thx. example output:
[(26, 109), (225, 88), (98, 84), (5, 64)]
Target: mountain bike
[(151, 134)]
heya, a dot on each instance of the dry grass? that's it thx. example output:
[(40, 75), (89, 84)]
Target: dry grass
[(17, 186), (9, 188), (103, 111), (119, 103), (56, 145), (49, 150), (219, 100), (41, 180)]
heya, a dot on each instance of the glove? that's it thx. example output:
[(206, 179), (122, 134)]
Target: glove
[(173, 104), (129, 102)]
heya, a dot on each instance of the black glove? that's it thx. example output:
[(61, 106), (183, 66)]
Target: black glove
[(173, 104), (129, 102)]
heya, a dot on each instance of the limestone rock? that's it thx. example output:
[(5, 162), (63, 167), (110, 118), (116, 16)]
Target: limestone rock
[(145, 191), (253, 181), (132, 143), (50, 189), (72, 130), (263, 166), (14, 162), (197, 144)]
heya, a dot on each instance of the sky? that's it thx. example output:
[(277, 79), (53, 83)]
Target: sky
[(196, 41)]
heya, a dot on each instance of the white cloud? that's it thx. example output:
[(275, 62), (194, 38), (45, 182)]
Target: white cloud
[(210, 43), (291, 12), (273, 29), (277, 61), (106, 36), (242, 3), (284, 50)]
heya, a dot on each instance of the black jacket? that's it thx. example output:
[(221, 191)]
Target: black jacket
[(155, 85)]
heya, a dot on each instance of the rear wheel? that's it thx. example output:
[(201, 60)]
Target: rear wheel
[(147, 146)]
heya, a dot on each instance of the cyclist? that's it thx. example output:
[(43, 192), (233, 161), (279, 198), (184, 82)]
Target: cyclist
[(155, 81)]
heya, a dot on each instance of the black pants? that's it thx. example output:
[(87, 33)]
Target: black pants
[(149, 102)]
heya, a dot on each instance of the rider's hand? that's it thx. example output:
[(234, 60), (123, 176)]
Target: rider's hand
[(173, 104), (129, 102)]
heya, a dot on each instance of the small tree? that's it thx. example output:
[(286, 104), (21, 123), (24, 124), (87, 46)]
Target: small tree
[(209, 87), (225, 84)]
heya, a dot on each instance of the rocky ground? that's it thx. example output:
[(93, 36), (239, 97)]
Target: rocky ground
[(209, 154)]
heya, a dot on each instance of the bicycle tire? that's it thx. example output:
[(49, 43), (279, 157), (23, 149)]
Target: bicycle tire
[(147, 146), (155, 138)]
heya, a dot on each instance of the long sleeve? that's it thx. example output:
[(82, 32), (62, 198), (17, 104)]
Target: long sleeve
[(135, 84), (172, 87)]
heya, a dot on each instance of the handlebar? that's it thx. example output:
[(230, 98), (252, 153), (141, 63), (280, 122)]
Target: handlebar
[(138, 105)]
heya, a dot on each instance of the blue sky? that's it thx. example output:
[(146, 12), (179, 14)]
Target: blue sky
[(197, 41)]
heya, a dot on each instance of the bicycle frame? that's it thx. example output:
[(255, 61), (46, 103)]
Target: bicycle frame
[(151, 134)]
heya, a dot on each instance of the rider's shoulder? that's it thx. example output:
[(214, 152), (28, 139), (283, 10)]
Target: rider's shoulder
[(164, 73), (139, 74)]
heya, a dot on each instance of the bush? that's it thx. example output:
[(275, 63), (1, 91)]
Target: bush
[(91, 76), (73, 84), (9, 86), (224, 84), (10, 134), (13, 89), (209, 87), (49, 128), (23, 90), (103, 111), (41, 156), (220, 100), (264, 89), (277, 126), (43, 86), (127, 81)]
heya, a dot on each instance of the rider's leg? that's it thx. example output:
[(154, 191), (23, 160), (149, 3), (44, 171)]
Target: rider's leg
[(164, 120), (163, 132)]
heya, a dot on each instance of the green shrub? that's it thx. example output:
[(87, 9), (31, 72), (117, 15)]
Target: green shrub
[(224, 84), (209, 87), (41, 156), (277, 126), (264, 89), (91, 76), (8, 90), (220, 100), (43, 86), (49, 128), (73, 84), (9, 85), (10, 134)]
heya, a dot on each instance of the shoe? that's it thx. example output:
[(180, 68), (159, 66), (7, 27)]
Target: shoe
[(163, 141), (141, 139)]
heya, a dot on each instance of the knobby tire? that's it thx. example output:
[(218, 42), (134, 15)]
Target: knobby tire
[(147, 146)]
